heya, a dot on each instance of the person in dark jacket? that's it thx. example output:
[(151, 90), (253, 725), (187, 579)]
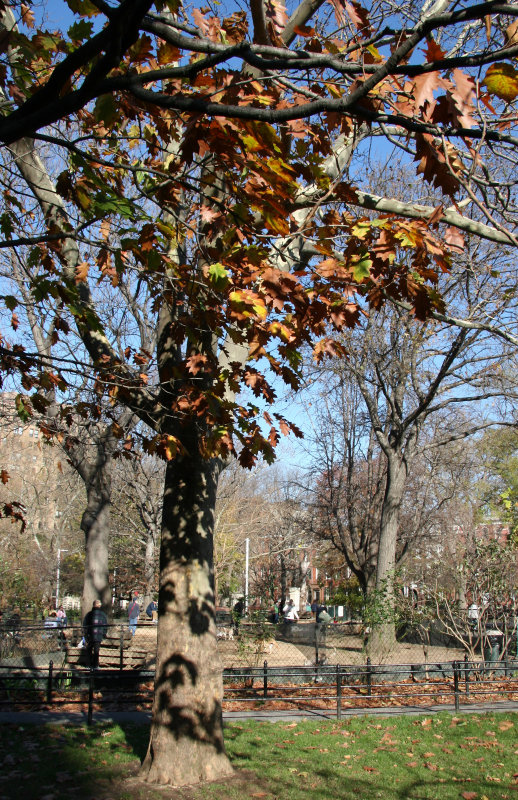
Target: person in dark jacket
[(151, 610), (95, 626)]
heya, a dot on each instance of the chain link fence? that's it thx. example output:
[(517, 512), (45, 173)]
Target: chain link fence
[(297, 666), (244, 644)]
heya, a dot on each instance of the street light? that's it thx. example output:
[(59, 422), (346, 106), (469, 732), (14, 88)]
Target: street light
[(247, 559), (60, 550)]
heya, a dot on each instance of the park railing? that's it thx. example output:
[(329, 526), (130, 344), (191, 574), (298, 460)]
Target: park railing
[(331, 690)]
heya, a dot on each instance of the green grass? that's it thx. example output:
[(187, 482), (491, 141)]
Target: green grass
[(399, 758)]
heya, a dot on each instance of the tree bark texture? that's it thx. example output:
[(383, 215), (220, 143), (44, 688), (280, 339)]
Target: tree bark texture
[(95, 524), (383, 637), (186, 741)]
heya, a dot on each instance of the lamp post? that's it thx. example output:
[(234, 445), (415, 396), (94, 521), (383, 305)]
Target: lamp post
[(60, 550), (247, 559)]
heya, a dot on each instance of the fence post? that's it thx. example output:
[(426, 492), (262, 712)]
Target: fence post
[(49, 683), (456, 683), (265, 679), (338, 692), (369, 677), (121, 648), (466, 673), (90, 696)]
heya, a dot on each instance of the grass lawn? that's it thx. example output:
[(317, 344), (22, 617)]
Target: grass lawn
[(471, 757)]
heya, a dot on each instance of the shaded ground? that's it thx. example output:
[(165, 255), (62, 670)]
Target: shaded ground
[(445, 757)]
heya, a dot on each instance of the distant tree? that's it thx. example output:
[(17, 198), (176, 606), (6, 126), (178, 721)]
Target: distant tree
[(498, 484)]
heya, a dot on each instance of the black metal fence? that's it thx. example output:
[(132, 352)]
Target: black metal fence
[(333, 689), (303, 666)]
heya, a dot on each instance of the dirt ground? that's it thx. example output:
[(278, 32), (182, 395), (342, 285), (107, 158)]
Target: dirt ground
[(347, 651)]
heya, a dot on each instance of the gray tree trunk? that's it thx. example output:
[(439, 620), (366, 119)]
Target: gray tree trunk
[(95, 524), (186, 740), (383, 638)]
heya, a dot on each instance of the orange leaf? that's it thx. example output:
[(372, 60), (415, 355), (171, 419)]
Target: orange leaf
[(82, 272)]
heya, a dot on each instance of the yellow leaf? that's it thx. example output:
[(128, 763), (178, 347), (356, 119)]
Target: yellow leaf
[(502, 81), (374, 52)]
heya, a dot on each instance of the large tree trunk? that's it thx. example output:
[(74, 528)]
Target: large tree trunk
[(383, 637), (95, 523), (186, 741)]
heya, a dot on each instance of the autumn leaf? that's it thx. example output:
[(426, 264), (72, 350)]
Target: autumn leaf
[(454, 239), (4, 476), (511, 34), (82, 272), (167, 54), (502, 81), (433, 51), (27, 15), (469, 795), (425, 85)]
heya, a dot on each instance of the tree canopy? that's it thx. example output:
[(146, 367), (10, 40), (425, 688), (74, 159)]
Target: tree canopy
[(207, 176)]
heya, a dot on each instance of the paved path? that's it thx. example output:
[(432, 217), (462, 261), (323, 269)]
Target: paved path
[(144, 717)]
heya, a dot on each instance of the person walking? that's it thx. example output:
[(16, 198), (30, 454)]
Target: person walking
[(133, 613), (95, 626), (290, 613)]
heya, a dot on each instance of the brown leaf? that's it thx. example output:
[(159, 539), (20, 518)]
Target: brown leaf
[(454, 239), (487, 23), (82, 272), (511, 34), (469, 795)]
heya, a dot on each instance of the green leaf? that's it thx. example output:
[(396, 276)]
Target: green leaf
[(80, 31), (105, 109), (21, 408), (218, 275), (83, 7), (6, 224), (114, 205), (361, 266), (11, 302)]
